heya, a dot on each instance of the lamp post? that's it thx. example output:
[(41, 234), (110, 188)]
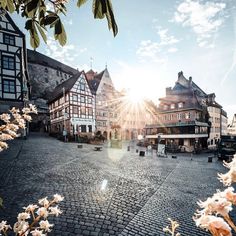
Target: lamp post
[(25, 99)]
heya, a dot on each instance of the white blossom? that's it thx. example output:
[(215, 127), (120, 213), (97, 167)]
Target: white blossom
[(30, 208), (37, 232), (57, 198), (5, 137), (4, 226), (23, 216), (5, 117), (44, 224), (214, 224), (55, 211), (43, 202), (42, 211), (20, 227), (33, 108), (3, 145)]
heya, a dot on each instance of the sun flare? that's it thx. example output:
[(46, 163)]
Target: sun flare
[(134, 96)]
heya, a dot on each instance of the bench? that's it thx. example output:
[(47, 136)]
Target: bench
[(97, 148)]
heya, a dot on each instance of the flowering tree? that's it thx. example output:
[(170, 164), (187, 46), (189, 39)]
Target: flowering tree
[(13, 122), (43, 14), (214, 214), (34, 218)]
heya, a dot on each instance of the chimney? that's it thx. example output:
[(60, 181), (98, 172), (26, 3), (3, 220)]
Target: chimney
[(190, 80), (180, 73), (168, 90)]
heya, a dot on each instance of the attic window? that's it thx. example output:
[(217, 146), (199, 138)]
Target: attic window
[(172, 106), (180, 105), (46, 70), (165, 107)]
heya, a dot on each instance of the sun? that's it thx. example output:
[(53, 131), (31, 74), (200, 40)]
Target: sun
[(134, 96)]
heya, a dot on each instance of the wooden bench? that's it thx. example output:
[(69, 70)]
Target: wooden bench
[(97, 148)]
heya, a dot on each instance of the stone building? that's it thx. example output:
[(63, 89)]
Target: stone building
[(224, 122), (188, 118), (214, 110), (232, 126), (72, 107), (45, 74), (14, 81), (183, 120), (107, 101)]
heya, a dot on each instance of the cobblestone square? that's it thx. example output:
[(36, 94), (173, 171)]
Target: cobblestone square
[(110, 192)]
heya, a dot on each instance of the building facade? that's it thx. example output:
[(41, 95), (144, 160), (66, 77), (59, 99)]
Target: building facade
[(107, 101), (183, 120), (45, 74), (232, 126), (72, 107), (14, 83), (215, 112)]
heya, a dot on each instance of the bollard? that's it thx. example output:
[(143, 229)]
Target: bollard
[(128, 148), (142, 153), (136, 150), (209, 159)]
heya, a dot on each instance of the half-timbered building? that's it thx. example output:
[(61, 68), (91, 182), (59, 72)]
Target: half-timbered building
[(14, 85), (72, 107)]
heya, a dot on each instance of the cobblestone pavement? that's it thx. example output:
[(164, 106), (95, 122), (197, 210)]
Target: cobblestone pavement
[(108, 192)]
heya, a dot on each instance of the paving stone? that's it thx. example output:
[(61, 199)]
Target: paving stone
[(139, 196)]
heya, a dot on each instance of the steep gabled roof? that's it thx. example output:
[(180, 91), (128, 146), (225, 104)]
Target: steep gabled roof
[(67, 85), (94, 83), (15, 27), (38, 58)]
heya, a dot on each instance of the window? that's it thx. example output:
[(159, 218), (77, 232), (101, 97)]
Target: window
[(74, 98), (83, 128), (165, 107), (9, 39), (82, 111), (75, 110), (90, 111), (82, 86), (89, 100), (9, 86), (180, 105), (172, 106), (57, 73), (82, 99), (8, 62)]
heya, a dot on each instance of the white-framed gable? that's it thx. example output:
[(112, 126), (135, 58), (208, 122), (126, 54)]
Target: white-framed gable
[(105, 82), (12, 60)]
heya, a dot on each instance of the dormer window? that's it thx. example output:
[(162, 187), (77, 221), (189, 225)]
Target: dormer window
[(180, 105), (172, 106), (165, 107)]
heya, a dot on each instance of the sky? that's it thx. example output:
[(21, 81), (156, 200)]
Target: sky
[(156, 40)]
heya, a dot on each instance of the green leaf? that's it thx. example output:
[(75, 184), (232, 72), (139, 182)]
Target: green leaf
[(41, 31), (34, 37), (111, 19), (59, 33), (10, 6), (50, 19), (97, 9), (81, 2), (32, 6), (3, 3)]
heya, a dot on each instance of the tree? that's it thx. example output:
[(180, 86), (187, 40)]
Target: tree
[(39, 16)]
